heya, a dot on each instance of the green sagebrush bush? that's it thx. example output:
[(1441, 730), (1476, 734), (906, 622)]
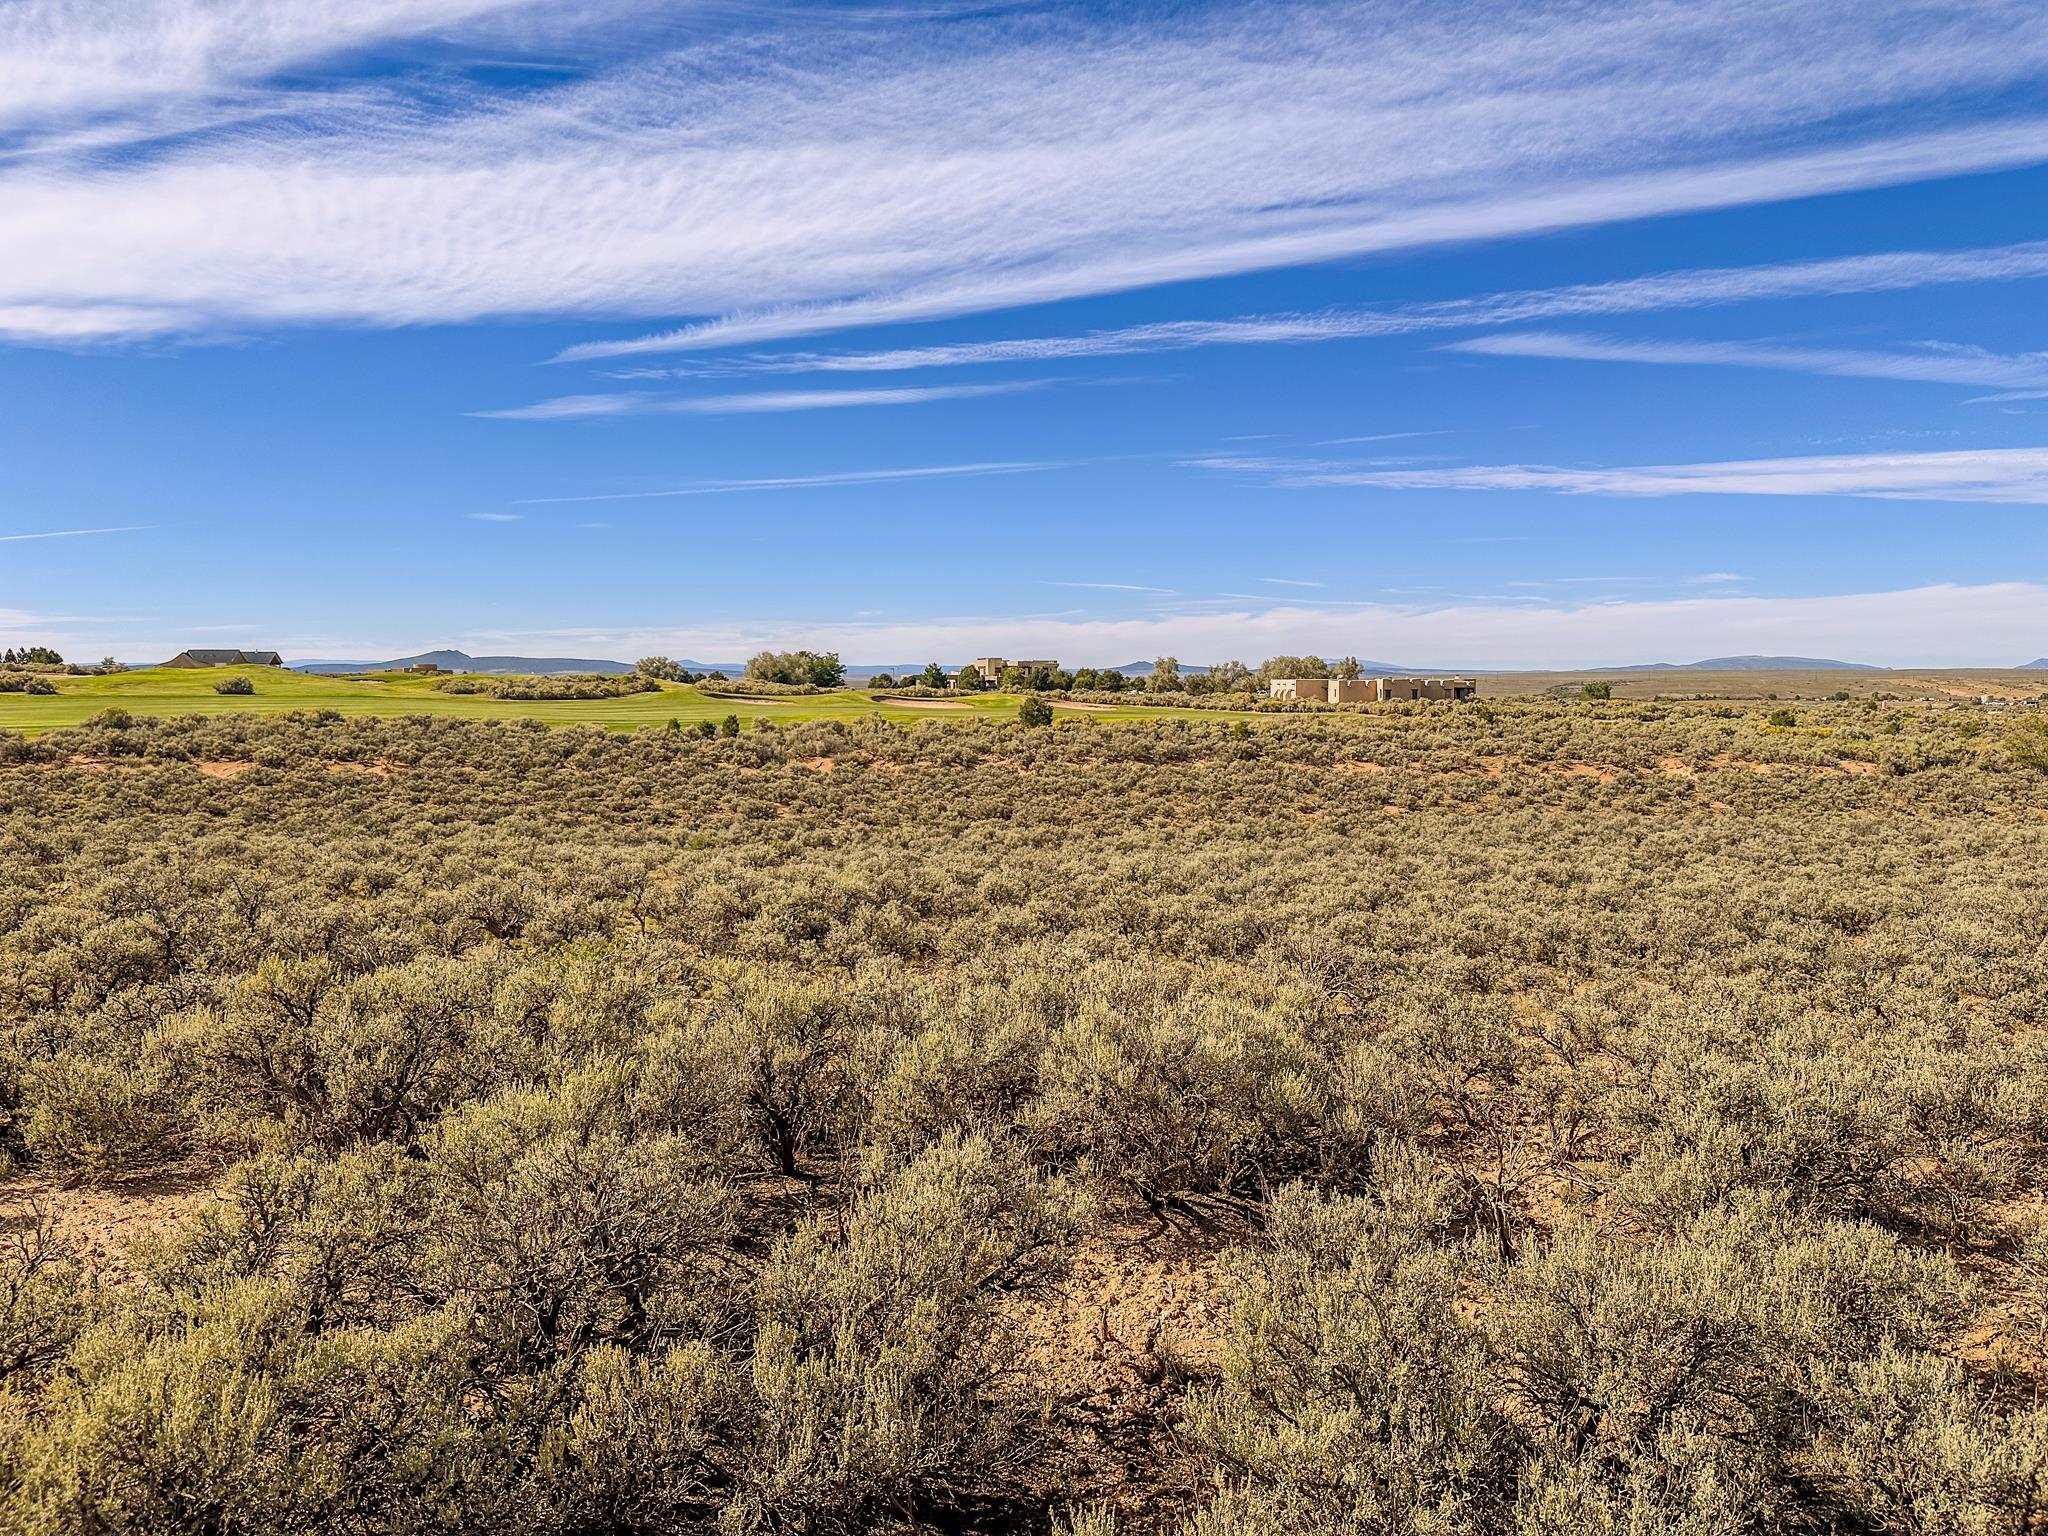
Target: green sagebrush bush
[(1603, 1387), (573, 1379)]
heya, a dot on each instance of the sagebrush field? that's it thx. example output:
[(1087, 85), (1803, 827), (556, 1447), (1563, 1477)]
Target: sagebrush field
[(1527, 1117)]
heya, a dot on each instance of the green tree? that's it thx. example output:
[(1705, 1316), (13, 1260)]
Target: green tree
[(659, 668), (1292, 666), (1034, 711), (729, 726), (818, 669), (933, 676), (1229, 677)]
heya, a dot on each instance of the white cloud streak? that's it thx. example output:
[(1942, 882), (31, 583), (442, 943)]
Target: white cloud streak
[(1702, 288), (71, 533), (588, 407), (796, 179), (818, 482), (1931, 363), (1116, 586), (63, 58), (2012, 476)]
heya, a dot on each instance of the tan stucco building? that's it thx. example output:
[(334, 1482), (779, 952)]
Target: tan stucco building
[(991, 668), (1371, 690)]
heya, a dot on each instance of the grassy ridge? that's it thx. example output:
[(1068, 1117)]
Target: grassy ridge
[(161, 691)]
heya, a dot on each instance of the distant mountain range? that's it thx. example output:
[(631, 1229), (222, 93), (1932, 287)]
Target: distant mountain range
[(462, 661), (1749, 664), (2039, 664)]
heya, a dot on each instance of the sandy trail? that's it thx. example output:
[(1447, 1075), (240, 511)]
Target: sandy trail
[(923, 704)]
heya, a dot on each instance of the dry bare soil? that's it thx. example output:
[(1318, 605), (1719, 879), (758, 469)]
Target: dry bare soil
[(1524, 1118)]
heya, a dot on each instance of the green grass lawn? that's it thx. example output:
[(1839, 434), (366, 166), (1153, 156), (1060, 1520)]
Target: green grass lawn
[(178, 691)]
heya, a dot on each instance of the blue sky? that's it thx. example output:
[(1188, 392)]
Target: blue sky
[(1566, 335)]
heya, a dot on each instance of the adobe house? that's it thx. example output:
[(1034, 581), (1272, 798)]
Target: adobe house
[(991, 668), (226, 659), (1371, 690)]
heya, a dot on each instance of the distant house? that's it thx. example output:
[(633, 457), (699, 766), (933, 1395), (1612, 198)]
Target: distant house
[(1371, 690), (226, 659), (991, 668)]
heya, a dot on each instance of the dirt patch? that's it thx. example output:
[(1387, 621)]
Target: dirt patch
[(1860, 770), (1596, 771), (1674, 767), (99, 1222), (89, 764), (1109, 1353), (825, 765), (922, 704), (380, 769), (1353, 768), (224, 770), (1095, 709)]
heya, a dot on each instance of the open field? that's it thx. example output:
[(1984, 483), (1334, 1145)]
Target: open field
[(158, 691), (1927, 684), (1507, 1121)]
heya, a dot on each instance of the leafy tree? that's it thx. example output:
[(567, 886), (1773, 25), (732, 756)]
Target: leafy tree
[(1292, 666), (660, 668), (933, 676), (1165, 674), (1597, 691), (1034, 711), (729, 726), (818, 669), (239, 686), (1230, 677)]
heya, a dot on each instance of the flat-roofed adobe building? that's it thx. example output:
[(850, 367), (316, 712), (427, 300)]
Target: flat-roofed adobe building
[(226, 659), (991, 668), (1371, 690)]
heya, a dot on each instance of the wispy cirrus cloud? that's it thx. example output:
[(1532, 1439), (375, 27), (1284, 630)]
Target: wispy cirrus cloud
[(590, 407), (72, 533), (1929, 363), (1700, 288), (1115, 586), (789, 177), (820, 482), (2012, 476), (60, 59)]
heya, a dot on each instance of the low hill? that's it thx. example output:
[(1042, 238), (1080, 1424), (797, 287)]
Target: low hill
[(462, 661), (1749, 664), (2038, 664)]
